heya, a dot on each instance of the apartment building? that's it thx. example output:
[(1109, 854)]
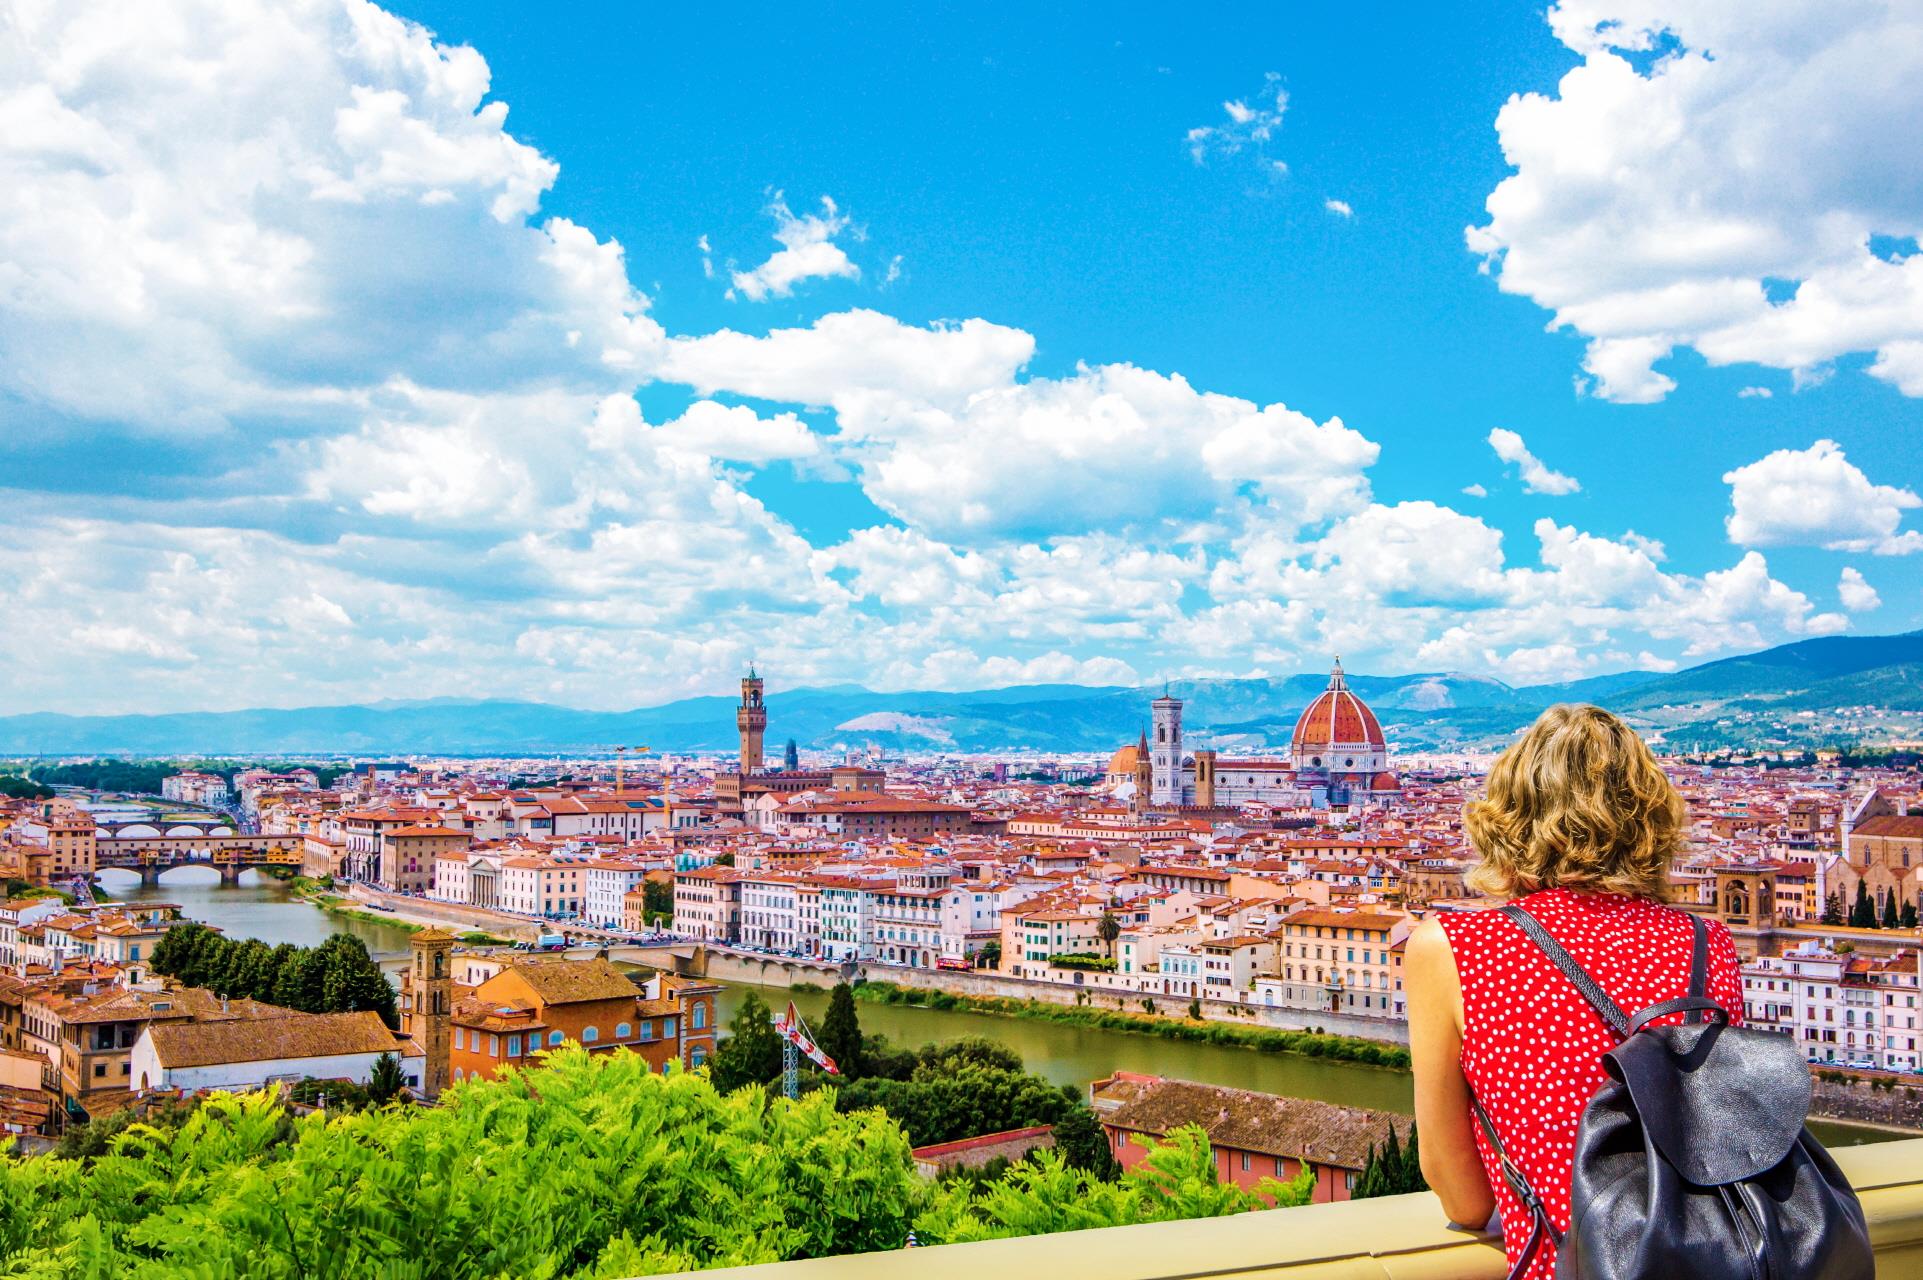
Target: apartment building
[(1842, 1009)]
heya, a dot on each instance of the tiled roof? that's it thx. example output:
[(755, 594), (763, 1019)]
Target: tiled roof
[(294, 1035), (1299, 1128)]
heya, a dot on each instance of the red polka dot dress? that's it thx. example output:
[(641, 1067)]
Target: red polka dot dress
[(1532, 1047)]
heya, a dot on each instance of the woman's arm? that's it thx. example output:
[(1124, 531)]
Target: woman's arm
[(1450, 1164)]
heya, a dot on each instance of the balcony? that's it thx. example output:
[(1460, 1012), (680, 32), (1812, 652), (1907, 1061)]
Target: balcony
[(1396, 1238)]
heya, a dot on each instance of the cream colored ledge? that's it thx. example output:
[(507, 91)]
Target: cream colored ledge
[(1394, 1238)]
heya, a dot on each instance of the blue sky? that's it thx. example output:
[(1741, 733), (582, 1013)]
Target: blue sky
[(1102, 344)]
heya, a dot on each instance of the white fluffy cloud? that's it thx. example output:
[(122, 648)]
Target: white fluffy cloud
[(1711, 176), (1536, 477), (944, 435), (1816, 497), (808, 252), (1857, 595), (215, 213)]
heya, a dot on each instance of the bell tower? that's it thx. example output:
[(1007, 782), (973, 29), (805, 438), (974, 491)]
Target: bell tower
[(1144, 777), (427, 1013), (1166, 752), (751, 718)]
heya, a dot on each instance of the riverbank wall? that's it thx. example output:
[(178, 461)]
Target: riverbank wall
[(1235, 1013), (1899, 1108), (454, 915)]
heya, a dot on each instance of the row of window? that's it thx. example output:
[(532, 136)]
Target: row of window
[(470, 1039)]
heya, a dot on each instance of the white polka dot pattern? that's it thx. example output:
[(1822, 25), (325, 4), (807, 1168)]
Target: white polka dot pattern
[(1532, 1047)]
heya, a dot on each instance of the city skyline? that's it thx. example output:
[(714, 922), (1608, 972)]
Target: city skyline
[(1087, 352)]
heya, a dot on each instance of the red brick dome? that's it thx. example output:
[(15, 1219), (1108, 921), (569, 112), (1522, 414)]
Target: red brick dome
[(1337, 718)]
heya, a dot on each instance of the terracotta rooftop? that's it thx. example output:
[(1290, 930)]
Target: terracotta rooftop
[(294, 1035), (1265, 1123)]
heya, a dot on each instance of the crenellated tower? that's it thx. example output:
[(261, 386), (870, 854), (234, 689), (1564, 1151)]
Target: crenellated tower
[(751, 718)]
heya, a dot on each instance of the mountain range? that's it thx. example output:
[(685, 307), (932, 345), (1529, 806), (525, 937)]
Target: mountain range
[(1792, 688)]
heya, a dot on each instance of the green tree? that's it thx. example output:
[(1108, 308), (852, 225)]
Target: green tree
[(751, 1053), (1083, 1144), (1890, 917), (1833, 908), (1392, 1170), (1862, 914), (1108, 929), (385, 1081), (657, 902), (990, 956), (1906, 919), (840, 1032)]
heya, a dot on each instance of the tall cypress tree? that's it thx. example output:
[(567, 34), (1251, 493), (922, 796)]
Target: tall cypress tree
[(1890, 920), (1862, 914), (840, 1033)]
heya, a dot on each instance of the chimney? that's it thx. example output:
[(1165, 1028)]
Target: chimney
[(59, 960)]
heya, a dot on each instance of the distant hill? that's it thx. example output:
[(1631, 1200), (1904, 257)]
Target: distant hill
[(1424, 709), (1809, 674)]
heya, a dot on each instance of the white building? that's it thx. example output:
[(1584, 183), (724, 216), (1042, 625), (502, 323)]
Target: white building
[(604, 885), (195, 788), (247, 1053), (1863, 1014), (770, 914)]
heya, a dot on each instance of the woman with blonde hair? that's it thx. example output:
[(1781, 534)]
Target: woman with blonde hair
[(1578, 827)]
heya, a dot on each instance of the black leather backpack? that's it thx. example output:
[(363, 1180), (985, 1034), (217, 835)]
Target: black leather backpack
[(1692, 1159)]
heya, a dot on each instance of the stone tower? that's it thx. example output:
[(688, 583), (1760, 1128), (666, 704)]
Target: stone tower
[(1166, 750), (751, 718), (427, 1013), (791, 757), (1205, 779)]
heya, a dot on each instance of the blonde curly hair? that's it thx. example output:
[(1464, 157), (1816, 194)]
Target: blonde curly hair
[(1578, 802)]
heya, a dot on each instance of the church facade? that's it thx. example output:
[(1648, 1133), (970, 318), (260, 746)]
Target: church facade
[(1337, 756)]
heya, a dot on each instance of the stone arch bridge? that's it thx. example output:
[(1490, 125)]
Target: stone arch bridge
[(152, 856)]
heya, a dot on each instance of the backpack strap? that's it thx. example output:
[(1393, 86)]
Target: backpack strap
[(1539, 1223), (1585, 985)]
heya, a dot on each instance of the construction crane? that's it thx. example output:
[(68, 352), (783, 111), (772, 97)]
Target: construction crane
[(621, 767), (797, 1042)]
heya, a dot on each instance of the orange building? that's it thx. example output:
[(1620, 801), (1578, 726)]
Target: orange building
[(537, 1005)]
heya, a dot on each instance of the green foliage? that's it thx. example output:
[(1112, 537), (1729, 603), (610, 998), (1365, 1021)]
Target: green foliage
[(657, 902), (1175, 1180), (751, 1053), (1082, 960), (1108, 929), (584, 1167), (336, 977), (14, 787), (990, 956), (1906, 919), (1833, 908), (1890, 917), (840, 1032), (1862, 912), (1392, 1171), (95, 1138), (1083, 1144), (942, 1102), (385, 1081)]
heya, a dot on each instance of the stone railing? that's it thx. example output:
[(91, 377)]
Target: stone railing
[(1395, 1238)]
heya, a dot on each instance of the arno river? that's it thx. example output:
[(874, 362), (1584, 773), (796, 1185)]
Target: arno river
[(260, 907)]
